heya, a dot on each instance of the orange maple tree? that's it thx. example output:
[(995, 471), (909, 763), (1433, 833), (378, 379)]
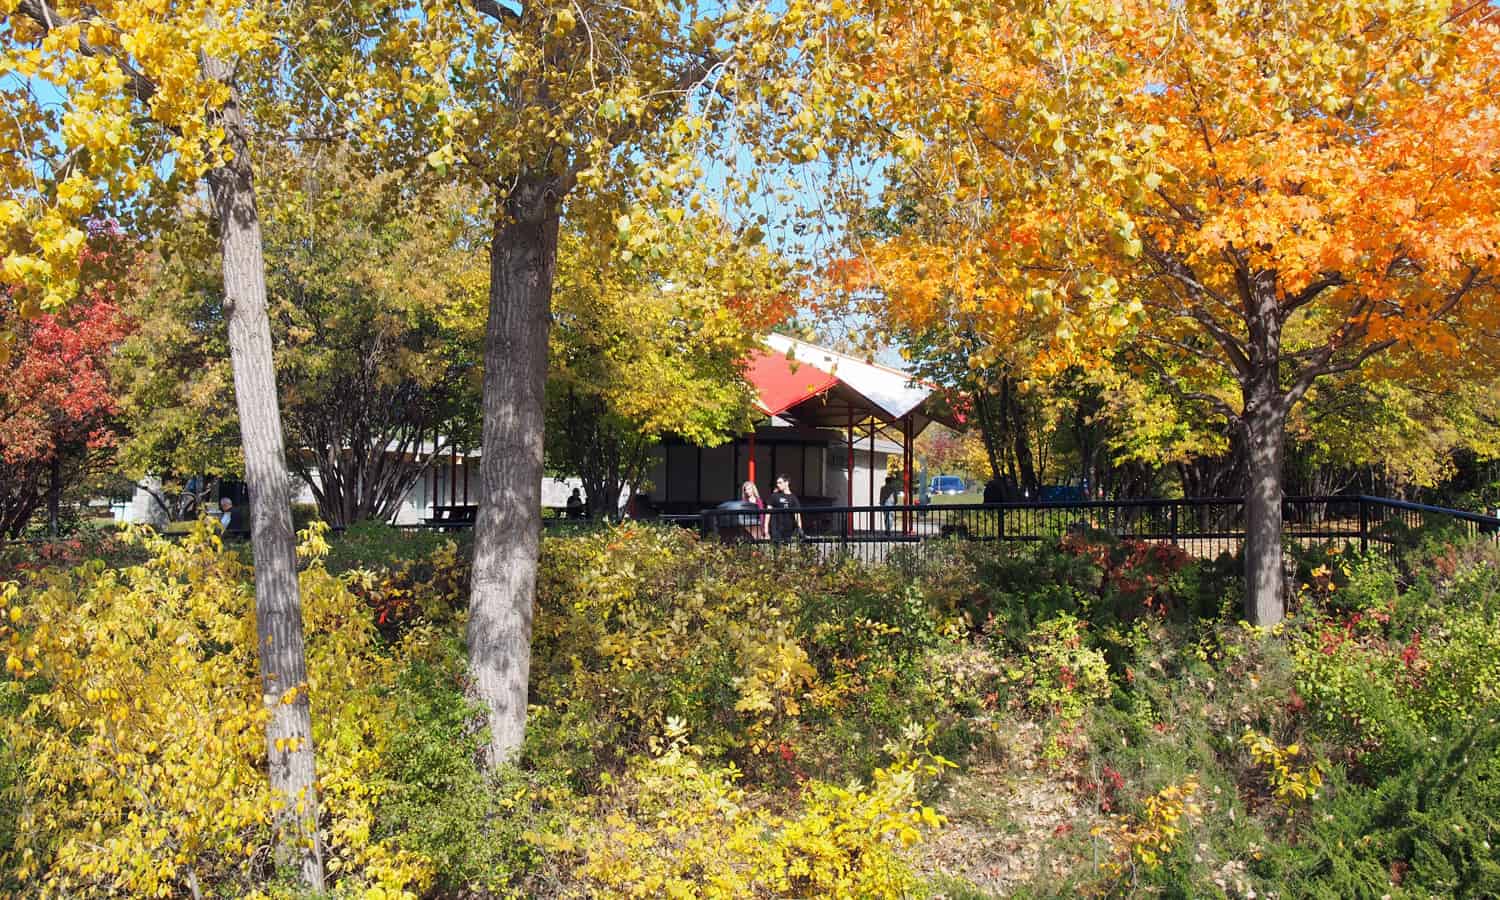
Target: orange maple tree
[(1242, 196)]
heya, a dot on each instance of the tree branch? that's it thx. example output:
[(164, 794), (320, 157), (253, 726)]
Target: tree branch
[(47, 19), (1310, 293), (1179, 271), (493, 10)]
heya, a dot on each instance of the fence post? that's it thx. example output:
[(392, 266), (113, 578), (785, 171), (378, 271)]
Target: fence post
[(1364, 527), (1173, 518)]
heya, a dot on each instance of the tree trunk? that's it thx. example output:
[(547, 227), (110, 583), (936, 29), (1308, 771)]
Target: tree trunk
[(54, 493), (1026, 467), (523, 257), (987, 435), (278, 605), (1265, 603), (1263, 420)]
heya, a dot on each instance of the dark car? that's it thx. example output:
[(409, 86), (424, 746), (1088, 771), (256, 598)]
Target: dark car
[(946, 484)]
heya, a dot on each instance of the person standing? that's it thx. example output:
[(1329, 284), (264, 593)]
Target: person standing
[(749, 493), (888, 493), (576, 508), (785, 521)]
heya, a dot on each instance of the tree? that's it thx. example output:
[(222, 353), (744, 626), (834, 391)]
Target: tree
[(961, 453), (1259, 196), (371, 304), (123, 104), (57, 406), (1389, 436), (538, 106), (176, 387), (650, 347), (378, 384)]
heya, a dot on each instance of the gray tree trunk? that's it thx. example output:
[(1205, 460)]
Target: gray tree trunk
[(278, 604), (1263, 420), (1265, 601), (523, 257), (54, 492)]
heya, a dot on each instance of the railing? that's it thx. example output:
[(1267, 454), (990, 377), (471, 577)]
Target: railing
[(1205, 527), (1386, 523)]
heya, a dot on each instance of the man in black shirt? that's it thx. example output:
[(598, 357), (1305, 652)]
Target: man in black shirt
[(784, 524)]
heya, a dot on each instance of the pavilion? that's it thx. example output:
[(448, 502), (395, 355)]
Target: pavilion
[(832, 420)]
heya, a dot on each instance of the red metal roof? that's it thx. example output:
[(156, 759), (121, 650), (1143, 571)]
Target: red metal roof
[(782, 383)]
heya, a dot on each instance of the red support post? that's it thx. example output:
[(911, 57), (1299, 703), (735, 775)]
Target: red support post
[(874, 427), (752, 459), (907, 446)]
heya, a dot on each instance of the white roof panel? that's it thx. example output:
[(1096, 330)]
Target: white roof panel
[(894, 391)]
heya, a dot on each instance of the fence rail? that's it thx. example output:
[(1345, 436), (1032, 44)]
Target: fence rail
[(1204, 527)]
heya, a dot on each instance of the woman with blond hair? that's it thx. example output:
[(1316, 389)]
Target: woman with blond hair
[(751, 494)]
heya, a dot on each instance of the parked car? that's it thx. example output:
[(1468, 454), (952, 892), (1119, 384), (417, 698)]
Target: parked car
[(951, 490), (946, 484)]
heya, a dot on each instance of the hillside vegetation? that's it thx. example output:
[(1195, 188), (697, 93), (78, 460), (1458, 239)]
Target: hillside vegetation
[(1078, 716)]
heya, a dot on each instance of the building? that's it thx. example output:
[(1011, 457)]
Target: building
[(833, 423)]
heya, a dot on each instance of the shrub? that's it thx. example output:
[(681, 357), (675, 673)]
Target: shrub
[(433, 588), (141, 711), (1008, 588), (679, 827), (144, 723), (1386, 677), (436, 802), (1144, 839), (1058, 673), (637, 624), (1427, 831), (304, 514), (376, 545), (1291, 781), (1135, 576)]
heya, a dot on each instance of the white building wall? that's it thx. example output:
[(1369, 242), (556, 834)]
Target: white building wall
[(143, 508), (866, 467)]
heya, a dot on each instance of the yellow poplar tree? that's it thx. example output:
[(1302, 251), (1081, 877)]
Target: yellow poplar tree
[(652, 347), (115, 109), (543, 107)]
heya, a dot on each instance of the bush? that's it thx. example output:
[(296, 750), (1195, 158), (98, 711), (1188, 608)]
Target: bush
[(141, 713), (639, 624), (376, 545), (1426, 831), (679, 827), (1059, 673), (304, 514), (1387, 676), (436, 802), (1008, 588)]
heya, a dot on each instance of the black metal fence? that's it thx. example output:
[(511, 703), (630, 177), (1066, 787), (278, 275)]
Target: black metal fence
[(1204, 528)]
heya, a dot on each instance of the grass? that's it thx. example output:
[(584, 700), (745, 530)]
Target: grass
[(967, 497)]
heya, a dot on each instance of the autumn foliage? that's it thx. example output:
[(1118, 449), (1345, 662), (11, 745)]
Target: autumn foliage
[(56, 406), (1236, 199)]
